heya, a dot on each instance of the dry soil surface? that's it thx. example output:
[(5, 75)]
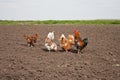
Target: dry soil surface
[(100, 60)]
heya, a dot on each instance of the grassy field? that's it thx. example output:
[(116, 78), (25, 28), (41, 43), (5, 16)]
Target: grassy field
[(10, 22)]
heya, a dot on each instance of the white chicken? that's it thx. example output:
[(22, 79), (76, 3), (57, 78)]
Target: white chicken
[(49, 42)]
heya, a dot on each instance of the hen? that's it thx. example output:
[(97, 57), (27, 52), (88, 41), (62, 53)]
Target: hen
[(31, 39), (79, 42), (65, 43), (49, 42)]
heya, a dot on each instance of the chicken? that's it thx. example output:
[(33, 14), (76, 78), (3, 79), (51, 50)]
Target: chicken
[(31, 39), (49, 42), (65, 43), (79, 42)]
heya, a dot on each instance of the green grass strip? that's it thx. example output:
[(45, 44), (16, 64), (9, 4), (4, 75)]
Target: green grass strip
[(30, 22)]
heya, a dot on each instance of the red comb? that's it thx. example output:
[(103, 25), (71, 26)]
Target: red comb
[(75, 31)]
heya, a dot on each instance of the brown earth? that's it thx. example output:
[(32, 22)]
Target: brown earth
[(100, 60)]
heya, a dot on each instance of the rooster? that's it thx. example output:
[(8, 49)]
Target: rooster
[(65, 43), (31, 39), (49, 42), (79, 42)]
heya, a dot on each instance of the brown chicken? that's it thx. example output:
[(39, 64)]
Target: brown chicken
[(31, 39), (79, 42), (65, 43)]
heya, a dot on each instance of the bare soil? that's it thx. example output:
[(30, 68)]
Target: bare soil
[(100, 60)]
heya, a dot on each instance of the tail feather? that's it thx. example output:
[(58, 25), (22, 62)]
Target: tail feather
[(35, 37), (51, 35), (85, 40)]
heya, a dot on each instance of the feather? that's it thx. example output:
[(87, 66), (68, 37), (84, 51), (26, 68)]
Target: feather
[(51, 35)]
